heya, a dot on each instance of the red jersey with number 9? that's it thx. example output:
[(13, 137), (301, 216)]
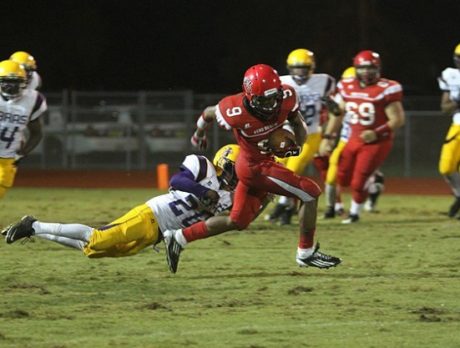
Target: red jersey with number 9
[(365, 107), (249, 130)]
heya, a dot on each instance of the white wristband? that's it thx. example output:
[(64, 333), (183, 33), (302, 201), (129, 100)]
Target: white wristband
[(201, 123)]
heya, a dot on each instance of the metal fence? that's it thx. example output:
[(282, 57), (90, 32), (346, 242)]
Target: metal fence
[(138, 130)]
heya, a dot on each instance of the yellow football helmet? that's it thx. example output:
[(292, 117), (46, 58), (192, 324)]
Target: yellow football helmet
[(224, 161), (26, 60), (457, 56), (349, 72), (13, 79), (301, 64)]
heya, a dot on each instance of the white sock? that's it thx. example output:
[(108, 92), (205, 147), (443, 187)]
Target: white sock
[(180, 238), (355, 208), (304, 253), (69, 242), (283, 200), (454, 182), (72, 231)]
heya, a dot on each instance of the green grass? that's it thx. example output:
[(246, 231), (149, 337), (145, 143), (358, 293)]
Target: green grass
[(398, 286)]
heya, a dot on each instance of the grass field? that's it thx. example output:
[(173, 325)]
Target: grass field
[(398, 286)]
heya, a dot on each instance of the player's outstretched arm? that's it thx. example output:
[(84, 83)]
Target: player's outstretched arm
[(199, 139)]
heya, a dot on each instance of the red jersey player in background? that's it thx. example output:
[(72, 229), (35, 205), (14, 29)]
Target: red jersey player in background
[(374, 111), (264, 106)]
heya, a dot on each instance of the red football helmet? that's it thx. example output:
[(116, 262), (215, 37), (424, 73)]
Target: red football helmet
[(262, 89), (367, 64)]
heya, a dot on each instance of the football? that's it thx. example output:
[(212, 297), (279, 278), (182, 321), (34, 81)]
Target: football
[(280, 141)]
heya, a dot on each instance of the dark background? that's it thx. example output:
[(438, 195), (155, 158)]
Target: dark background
[(207, 45)]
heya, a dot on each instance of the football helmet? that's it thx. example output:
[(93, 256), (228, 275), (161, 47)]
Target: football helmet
[(262, 89), (349, 73), (12, 79), (26, 60), (367, 64), (457, 56), (301, 64), (224, 161)]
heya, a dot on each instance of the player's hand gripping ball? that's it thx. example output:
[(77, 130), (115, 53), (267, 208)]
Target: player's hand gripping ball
[(282, 143)]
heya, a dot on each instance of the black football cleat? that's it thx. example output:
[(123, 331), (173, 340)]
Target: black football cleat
[(19, 230), (318, 260), (173, 250), (454, 208)]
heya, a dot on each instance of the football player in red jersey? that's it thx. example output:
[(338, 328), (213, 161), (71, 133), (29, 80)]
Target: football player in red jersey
[(263, 106), (374, 111)]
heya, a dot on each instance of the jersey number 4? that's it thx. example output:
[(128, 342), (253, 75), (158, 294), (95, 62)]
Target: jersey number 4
[(8, 138)]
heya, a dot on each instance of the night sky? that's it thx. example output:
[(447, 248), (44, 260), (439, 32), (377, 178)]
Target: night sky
[(207, 45)]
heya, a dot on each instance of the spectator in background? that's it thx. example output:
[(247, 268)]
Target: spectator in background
[(34, 81), (20, 112), (373, 108), (449, 162)]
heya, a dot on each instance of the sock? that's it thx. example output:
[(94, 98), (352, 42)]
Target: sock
[(330, 195), (355, 208), (196, 231), (73, 231), (69, 242), (304, 253), (283, 200), (306, 239), (454, 182)]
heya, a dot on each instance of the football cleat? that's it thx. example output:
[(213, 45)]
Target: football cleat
[(286, 216), (352, 218), (318, 260), (276, 213), (329, 213), (19, 230), (454, 208), (173, 250)]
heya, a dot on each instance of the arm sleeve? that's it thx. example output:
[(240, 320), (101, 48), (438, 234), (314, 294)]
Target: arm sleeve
[(185, 181), (193, 169)]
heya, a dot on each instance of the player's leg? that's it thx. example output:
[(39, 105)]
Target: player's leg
[(368, 159), (29, 226), (449, 165), (330, 186), (7, 175), (125, 236), (375, 189), (69, 242), (285, 207), (279, 180), (245, 209)]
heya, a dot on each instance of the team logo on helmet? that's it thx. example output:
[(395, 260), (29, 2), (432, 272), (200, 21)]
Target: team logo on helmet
[(247, 82)]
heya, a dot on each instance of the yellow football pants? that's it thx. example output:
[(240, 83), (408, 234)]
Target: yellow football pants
[(332, 170), (125, 236), (450, 152), (7, 174), (297, 164)]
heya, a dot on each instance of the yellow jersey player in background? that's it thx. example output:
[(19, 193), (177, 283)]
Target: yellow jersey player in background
[(200, 190), (449, 161), (312, 91), (20, 113), (27, 61)]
